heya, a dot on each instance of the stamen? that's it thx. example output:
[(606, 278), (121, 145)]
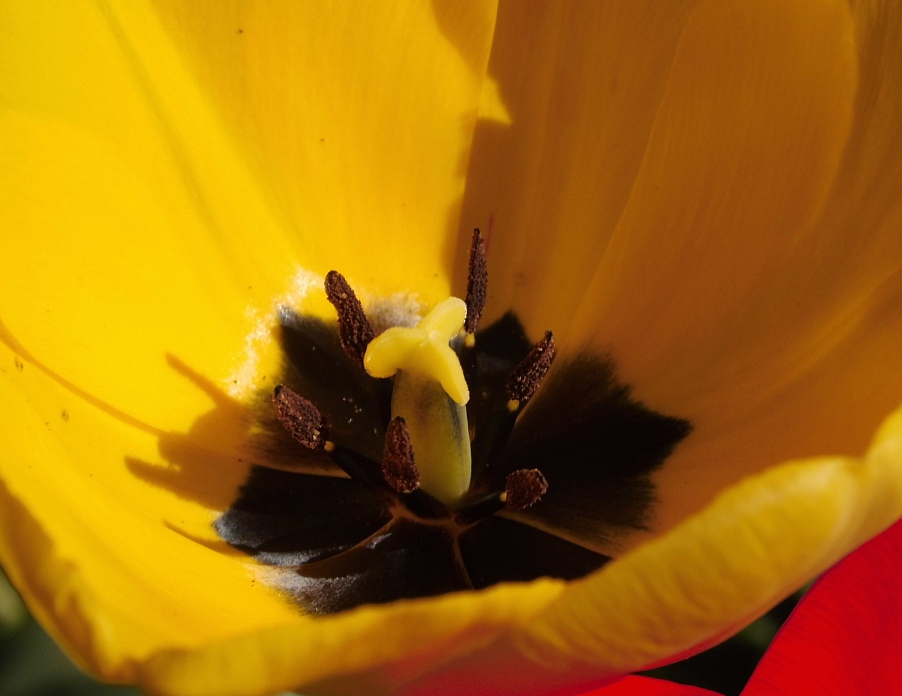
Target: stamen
[(526, 377), (300, 417), (522, 383), (524, 488), (308, 426), (398, 465), (360, 471), (367, 473), (354, 329), (477, 510), (477, 284)]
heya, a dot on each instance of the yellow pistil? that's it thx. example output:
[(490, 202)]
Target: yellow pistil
[(423, 350), (430, 393)]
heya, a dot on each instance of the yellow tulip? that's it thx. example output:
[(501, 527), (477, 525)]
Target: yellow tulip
[(708, 193)]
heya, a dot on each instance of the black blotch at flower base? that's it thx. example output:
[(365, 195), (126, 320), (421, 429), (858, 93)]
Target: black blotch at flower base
[(334, 543)]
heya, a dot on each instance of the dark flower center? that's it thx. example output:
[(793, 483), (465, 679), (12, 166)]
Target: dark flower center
[(344, 513)]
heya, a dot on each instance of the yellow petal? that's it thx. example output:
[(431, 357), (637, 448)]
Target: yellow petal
[(768, 314), (744, 148), (356, 119), (746, 141), (579, 85), (99, 288), (115, 567), (149, 216), (717, 292), (370, 650)]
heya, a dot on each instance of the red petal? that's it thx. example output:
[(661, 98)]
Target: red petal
[(845, 635), (646, 686)]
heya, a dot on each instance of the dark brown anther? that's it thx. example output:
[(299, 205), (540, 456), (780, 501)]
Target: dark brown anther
[(398, 466), (477, 283), (354, 329), (300, 417), (524, 487), (526, 377)]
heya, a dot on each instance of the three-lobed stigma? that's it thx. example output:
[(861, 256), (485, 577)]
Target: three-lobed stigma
[(424, 350)]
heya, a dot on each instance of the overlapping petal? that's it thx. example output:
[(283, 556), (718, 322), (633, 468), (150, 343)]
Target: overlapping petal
[(828, 645)]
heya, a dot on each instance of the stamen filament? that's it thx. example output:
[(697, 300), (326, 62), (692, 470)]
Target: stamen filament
[(477, 510)]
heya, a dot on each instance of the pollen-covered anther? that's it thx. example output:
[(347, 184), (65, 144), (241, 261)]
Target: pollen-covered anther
[(300, 417), (526, 377), (477, 286), (354, 330), (523, 488), (398, 465)]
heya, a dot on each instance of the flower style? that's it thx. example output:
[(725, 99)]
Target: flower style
[(704, 192)]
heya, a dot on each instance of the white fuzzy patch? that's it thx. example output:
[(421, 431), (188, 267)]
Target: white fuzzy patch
[(400, 309), (243, 382)]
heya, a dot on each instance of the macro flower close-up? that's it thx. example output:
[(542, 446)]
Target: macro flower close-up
[(276, 418)]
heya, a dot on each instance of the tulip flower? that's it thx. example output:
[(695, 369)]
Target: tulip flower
[(699, 200)]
